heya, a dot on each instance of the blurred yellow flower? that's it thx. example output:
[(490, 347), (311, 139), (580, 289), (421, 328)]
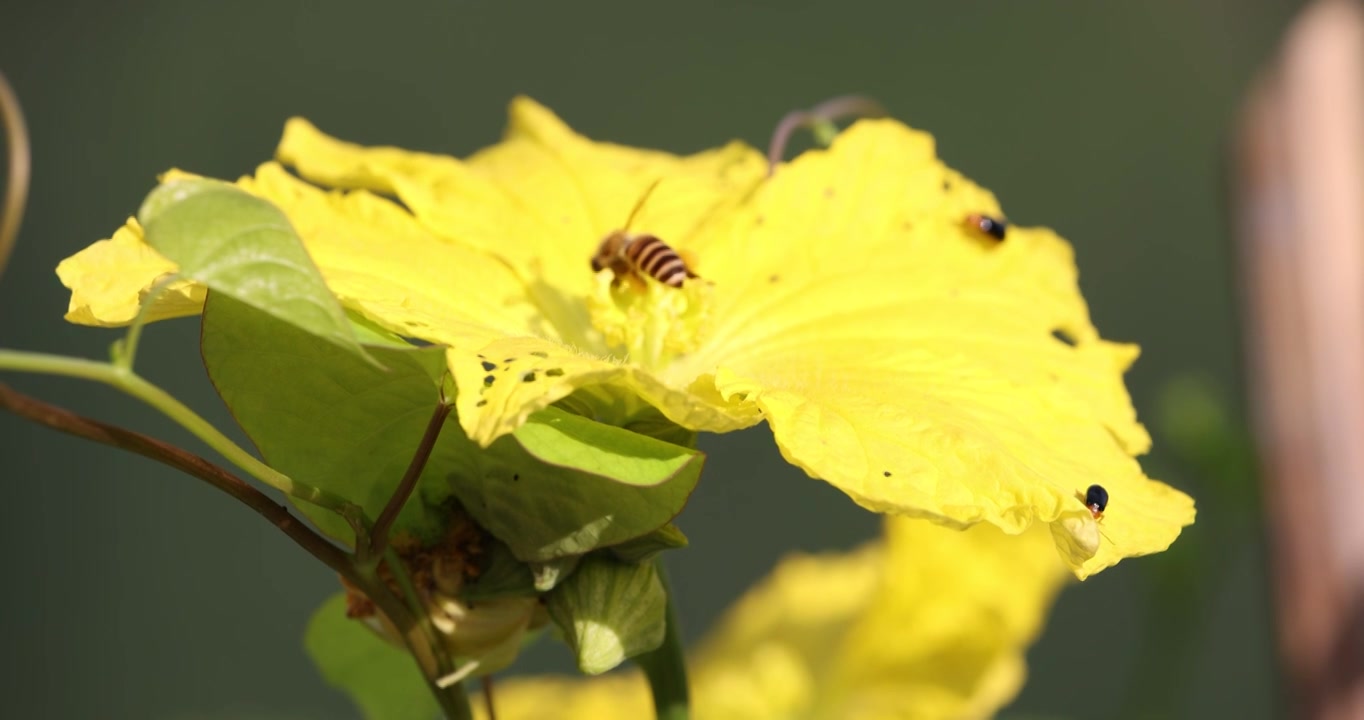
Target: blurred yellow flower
[(928, 623), (919, 366)]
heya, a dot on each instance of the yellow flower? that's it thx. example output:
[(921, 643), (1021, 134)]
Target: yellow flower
[(908, 360), (928, 623)]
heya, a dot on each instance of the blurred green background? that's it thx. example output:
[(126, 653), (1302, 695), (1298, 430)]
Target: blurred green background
[(133, 592)]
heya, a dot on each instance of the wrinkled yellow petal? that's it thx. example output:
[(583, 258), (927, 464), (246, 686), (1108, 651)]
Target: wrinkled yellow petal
[(542, 200), (912, 362), (929, 623), (381, 262), (110, 279), (506, 379)]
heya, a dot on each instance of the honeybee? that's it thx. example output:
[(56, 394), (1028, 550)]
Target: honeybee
[(636, 255), (994, 227)]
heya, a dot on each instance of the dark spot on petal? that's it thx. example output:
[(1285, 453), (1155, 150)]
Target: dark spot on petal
[(759, 220), (554, 372), (907, 225), (539, 353), (484, 357), (828, 192), (507, 360), (946, 184), (886, 473), (773, 278), (489, 365), (1064, 337), (480, 403), (488, 380), (528, 377)]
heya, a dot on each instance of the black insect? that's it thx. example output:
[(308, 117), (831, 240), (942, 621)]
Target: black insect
[(1096, 499), (994, 227)]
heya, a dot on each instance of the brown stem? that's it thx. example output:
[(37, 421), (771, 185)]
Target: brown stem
[(829, 110), (184, 461), (16, 185), (378, 541), (452, 700)]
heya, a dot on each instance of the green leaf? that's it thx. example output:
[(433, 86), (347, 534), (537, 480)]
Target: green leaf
[(571, 441), (609, 611), (324, 416), (242, 246), (383, 680), (565, 485)]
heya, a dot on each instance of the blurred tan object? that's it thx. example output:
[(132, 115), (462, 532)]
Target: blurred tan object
[(1299, 204)]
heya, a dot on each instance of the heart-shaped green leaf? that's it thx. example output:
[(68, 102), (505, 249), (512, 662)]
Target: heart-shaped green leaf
[(242, 246), (383, 680), (565, 485), (324, 416)]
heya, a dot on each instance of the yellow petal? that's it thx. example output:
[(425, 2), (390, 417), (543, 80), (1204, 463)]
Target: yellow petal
[(911, 362), (541, 201), (946, 634), (619, 696), (110, 279), (381, 262), (505, 379)]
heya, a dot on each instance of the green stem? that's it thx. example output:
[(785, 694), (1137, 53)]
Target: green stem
[(126, 350), (130, 383), (666, 667)]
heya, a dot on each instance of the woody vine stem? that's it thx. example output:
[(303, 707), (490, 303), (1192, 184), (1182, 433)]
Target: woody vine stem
[(360, 566)]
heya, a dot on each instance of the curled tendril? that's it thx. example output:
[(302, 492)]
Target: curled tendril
[(16, 185), (820, 115)]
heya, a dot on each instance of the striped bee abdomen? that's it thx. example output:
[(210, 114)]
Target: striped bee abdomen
[(651, 256)]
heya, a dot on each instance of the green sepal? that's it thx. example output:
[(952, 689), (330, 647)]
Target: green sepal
[(646, 548), (550, 573), (609, 611)]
